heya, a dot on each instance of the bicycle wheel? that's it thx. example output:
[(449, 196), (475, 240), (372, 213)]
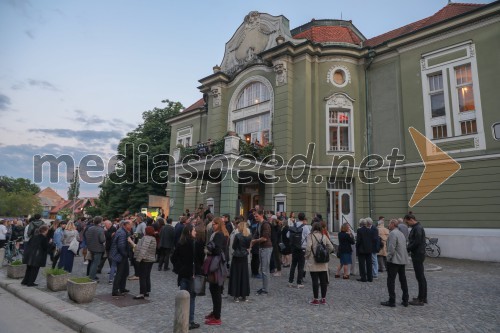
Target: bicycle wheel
[(432, 250)]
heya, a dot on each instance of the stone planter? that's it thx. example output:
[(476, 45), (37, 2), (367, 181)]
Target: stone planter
[(16, 272), (57, 282), (81, 292)]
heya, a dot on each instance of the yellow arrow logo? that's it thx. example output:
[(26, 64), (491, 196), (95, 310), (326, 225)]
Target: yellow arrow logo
[(439, 166)]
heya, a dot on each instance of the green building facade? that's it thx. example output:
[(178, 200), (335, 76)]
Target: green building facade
[(307, 120)]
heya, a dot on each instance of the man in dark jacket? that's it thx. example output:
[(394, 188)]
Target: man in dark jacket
[(95, 244), (375, 246), (416, 246), (166, 244), (109, 231), (364, 251), (178, 229), (119, 254)]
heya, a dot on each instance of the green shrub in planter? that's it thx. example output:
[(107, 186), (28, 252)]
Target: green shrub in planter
[(16, 269), (57, 279), (81, 289)]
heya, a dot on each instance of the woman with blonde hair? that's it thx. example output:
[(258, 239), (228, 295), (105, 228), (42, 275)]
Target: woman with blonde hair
[(239, 278), (67, 256), (346, 239)]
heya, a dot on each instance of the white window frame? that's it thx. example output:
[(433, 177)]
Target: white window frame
[(453, 117), (343, 103), (184, 137), (251, 111)]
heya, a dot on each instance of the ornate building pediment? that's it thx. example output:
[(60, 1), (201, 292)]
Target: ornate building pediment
[(257, 33)]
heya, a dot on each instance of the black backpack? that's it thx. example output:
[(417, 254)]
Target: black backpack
[(296, 237), (321, 254)]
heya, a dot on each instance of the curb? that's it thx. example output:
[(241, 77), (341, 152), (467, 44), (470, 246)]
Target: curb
[(70, 315)]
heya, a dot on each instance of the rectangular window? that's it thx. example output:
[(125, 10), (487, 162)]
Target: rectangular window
[(184, 136), (255, 129), (339, 130), (468, 127), (439, 132), (464, 88), (436, 93)]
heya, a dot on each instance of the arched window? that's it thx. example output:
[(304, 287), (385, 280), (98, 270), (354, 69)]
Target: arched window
[(252, 94), (251, 109)]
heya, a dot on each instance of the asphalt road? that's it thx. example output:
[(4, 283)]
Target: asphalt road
[(17, 316)]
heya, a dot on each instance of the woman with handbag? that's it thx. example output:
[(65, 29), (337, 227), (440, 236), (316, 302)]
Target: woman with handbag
[(145, 252), (239, 278), (187, 259), (70, 238), (218, 247)]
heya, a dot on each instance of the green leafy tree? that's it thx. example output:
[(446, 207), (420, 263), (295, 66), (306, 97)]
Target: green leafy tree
[(19, 203), (74, 186), (10, 184), (139, 172)]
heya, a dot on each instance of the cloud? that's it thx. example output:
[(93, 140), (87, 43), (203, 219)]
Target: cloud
[(85, 136), (4, 102), (29, 33), (42, 84), (89, 120)]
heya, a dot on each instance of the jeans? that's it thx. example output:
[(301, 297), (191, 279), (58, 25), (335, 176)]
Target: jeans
[(392, 271), (66, 260), (374, 265), (186, 284), (365, 266), (382, 263), (418, 266), (319, 278), (112, 270), (298, 259), (265, 258), (96, 259)]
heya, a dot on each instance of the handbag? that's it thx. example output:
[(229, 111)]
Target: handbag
[(74, 245), (199, 285)]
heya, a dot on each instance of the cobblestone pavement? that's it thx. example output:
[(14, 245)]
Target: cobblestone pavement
[(463, 297)]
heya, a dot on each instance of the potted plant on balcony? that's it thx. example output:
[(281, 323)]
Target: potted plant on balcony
[(81, 289), (57, 279), (16, 269)]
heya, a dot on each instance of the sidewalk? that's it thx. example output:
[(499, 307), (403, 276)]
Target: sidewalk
[(68, 314), (462, 298)]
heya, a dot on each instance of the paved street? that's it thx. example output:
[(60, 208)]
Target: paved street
[(463, 297), (17, 316)]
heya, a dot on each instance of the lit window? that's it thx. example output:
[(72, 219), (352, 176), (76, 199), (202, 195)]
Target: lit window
[(254, 93), (464, 88), (339, 130)]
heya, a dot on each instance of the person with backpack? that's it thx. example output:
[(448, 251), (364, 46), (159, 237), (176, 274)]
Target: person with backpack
[(318, 249), (297, 236)]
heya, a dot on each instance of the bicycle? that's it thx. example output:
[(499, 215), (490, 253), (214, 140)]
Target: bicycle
[(431, 248), (12, 252)]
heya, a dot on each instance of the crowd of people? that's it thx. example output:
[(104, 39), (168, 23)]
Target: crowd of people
[(222, 249)]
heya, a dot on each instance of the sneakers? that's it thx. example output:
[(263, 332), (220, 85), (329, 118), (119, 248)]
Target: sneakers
[(314, 302), (209, 316), (261, 292), (236, 300), (278, 273), (290, 284), (323, 301), (213, 322), (85, 262), (300, 286)]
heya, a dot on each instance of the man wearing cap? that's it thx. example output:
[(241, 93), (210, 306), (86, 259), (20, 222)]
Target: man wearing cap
[(416, 246)]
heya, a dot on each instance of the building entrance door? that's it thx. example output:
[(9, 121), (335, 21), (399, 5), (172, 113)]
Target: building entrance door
[(340, 205)]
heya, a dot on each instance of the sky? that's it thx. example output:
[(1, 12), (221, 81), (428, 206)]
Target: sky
[(75, 76)]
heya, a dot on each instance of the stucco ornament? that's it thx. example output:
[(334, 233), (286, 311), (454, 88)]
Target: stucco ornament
[(345, 74), (217, 96), (281, 73), (257, 33), (339, 100)]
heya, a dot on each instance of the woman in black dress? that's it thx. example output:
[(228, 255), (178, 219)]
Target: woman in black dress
[(36, 256), (239, 280)]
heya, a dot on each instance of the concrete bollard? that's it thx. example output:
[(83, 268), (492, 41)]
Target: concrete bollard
[(181, 318)]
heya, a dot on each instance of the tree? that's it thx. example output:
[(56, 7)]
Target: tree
[(10, 184), (138, 172), (19, 203), (74, 186)]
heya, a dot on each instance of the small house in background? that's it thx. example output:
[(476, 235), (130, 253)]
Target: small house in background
[(49, 199)]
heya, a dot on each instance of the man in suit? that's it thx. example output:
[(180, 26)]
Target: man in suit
[(416, 246), (166, 245), (364, 252)]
